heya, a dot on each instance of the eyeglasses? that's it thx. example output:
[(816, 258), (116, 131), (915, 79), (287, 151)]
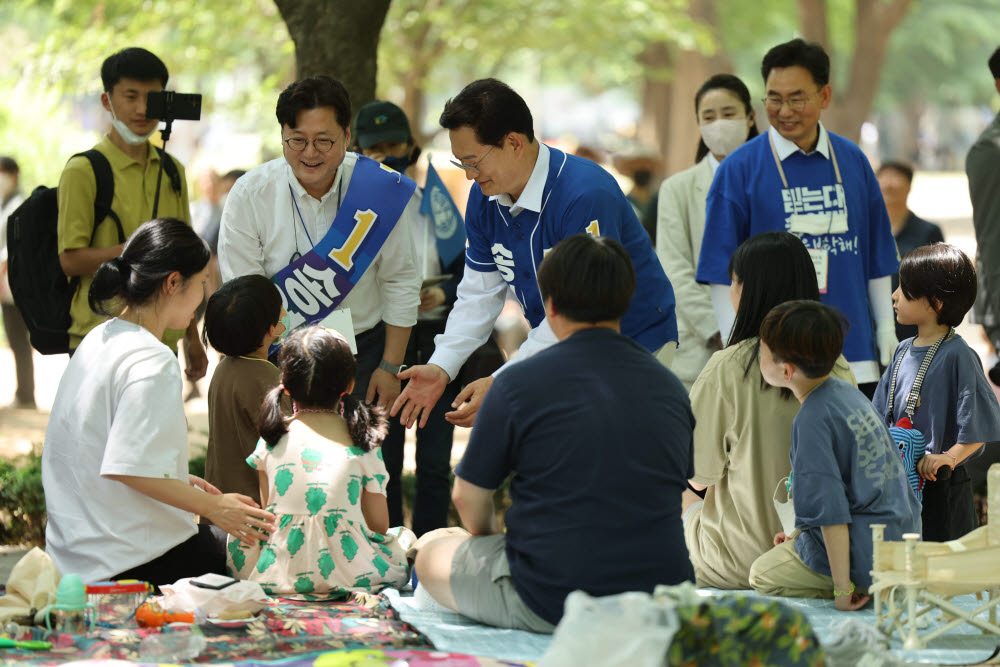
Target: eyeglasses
[(298, 144), (774, 103), (469, 168)]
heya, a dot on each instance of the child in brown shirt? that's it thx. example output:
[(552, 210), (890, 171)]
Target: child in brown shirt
[(242, 319)]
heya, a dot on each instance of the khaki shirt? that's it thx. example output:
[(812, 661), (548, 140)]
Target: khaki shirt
[(741, 442), (135, 190)]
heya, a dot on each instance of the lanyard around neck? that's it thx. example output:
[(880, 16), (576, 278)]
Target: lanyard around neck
[(340, 200), (781, 171)]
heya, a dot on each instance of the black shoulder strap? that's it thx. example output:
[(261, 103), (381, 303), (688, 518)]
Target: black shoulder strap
[(170, 167), (105, 191)]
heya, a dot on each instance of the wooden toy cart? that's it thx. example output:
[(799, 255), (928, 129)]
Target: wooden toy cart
[(912, 578)]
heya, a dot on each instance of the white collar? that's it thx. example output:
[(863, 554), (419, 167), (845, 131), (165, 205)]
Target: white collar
[(786, 147), (713, 162), (300, 192), (531, 196)]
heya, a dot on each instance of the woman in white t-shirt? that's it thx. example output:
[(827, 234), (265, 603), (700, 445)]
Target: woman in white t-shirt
[(115, 465)]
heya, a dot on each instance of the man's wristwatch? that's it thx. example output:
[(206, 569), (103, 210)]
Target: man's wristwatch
[(391, 368)]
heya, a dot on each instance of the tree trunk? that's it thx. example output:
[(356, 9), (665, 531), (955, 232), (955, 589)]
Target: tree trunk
[(338, 38), (667, 119), (874, 21)]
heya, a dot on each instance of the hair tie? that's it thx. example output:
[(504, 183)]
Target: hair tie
[(281, 386)]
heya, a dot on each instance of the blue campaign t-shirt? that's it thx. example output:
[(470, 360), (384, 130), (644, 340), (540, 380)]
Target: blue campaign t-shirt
[(579, 196), (598, 436), (957, 403), (846, 469), (748, 198)]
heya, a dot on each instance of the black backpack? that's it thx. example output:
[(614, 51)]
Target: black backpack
[(41, 291)]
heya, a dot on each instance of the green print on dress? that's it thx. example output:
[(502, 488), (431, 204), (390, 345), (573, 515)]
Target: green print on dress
[(326, 564), (315, 499), (354, 489), (355, 451), (380, 565), (363, 582), (331, 520), (381, 480), (312, 459), (296, 538), (285, 520), (266, 560), (304, 584), (239, 558), (283, 478), (348, 545), (378, 453)]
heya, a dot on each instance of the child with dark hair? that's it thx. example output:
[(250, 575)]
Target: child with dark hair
[(322, 475), (242, 319), (846, 473), (957, 411)]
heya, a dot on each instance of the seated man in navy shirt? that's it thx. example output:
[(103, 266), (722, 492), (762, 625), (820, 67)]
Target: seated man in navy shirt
[(598, 436), (526, 198)]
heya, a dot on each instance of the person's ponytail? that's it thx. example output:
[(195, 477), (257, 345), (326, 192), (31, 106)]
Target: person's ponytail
[(271, 423), (366, 425)]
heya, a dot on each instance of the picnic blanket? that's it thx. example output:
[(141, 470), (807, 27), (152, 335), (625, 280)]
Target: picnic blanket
[(283, 629)]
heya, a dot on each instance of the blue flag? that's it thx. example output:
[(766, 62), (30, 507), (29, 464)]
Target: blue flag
[(449, 228)]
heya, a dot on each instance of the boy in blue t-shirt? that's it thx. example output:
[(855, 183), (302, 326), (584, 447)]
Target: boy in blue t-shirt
[(957, 411), (846, 472)]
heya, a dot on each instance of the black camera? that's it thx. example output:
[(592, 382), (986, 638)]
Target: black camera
[(169, 106)]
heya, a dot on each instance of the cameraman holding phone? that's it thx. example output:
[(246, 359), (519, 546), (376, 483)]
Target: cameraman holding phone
[(85, 243)]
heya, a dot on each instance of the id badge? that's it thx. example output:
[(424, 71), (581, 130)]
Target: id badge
[(341, 322), (821, 264)]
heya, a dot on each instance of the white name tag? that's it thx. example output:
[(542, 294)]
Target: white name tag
[(821, 264), (815, 224), (341, 322)]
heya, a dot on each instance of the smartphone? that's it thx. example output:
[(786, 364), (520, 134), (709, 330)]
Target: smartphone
[(168, 105), (215, 582)]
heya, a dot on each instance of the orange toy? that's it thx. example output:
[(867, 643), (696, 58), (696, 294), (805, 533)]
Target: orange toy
[(151, 615)]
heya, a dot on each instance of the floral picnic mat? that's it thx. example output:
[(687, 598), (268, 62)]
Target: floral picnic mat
[(284, 629)]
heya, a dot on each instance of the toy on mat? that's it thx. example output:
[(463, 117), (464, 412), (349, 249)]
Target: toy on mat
[(911, 578)]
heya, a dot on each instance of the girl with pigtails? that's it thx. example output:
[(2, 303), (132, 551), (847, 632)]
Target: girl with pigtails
[(322, 476)]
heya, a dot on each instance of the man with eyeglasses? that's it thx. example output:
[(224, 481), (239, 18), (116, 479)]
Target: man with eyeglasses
[(800, 178), (332, 230), (526, 198)]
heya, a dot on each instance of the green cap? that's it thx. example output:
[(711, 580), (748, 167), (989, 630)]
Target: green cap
[(380, 121)]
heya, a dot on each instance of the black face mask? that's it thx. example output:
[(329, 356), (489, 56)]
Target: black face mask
[(401, 164)]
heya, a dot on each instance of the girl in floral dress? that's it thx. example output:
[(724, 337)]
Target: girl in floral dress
[(322, 476)]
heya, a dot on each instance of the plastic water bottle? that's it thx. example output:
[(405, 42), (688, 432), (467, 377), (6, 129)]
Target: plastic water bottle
[(175, 646)]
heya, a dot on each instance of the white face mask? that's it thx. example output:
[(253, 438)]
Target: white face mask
[(725, 135), (127, 135)]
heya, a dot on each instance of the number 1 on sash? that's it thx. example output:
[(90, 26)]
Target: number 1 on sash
[(344, 255)]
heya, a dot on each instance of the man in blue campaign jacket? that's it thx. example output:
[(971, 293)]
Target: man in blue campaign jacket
[(527, 197), (801, 178)]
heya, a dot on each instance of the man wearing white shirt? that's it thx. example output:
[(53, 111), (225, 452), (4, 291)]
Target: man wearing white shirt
[(819, 186), (279, 211), (527, 197)]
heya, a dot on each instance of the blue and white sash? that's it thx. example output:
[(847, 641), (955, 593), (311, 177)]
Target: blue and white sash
[(315, 284)]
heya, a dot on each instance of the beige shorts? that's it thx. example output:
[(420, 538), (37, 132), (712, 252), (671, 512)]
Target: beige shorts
[(483, 589)]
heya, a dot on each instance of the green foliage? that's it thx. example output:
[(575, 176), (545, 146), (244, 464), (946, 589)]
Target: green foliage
[(939, 52), (22, 501), (52, 50), (196, 466)]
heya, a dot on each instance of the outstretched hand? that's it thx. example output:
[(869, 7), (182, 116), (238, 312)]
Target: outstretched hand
[(241, 517), (467, 403), (414, 404)]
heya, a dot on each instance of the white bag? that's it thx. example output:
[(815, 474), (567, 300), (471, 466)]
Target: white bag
[(625, 630), (784, 507)]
